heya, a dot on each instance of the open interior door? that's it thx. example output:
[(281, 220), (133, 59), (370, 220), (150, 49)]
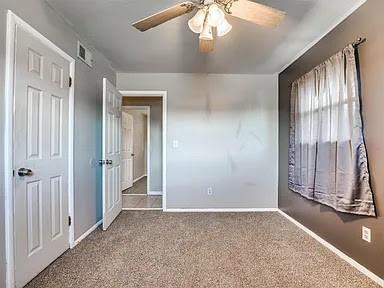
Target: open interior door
[(40, 154), (112, 202), (127, 151)]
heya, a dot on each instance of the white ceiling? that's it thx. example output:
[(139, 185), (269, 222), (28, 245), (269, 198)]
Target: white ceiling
[(173, 48)]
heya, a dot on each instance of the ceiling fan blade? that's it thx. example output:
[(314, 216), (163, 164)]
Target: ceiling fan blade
[(257, 13), (206, 46), (164, 16)]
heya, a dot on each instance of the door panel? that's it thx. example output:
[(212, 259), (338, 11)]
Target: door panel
[(127, 151), (112, 203), (34, 111), (117, 189), (56, 126), (34, 216), (110, 174), (56, 206), (110, 129), (40, 144)]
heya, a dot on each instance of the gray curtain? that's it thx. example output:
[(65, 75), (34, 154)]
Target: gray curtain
[(327, 155)]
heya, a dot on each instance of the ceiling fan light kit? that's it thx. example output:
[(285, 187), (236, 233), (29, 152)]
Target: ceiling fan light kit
[(224, 28), (207, 33), (215, 18), (211, 16), (215, 15), (197, 22)]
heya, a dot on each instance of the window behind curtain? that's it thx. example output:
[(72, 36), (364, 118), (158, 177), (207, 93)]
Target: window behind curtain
[(327, 154)]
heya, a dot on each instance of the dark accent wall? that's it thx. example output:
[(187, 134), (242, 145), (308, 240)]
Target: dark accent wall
[(343, 230)]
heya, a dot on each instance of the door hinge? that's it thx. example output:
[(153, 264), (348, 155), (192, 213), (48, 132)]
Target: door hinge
[(70, 81), (69, 221)]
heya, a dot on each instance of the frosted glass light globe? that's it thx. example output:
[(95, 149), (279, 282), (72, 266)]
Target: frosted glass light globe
[(223, 28), (196, 22), (215, 15)]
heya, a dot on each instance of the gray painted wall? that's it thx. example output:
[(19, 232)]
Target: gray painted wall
[(226, 126), (88, 103), (343, 230), (139, 142), (156, 128)]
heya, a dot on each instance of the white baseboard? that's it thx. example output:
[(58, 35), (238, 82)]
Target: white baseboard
[(217, 210), (155, 193), (139, 178), (142, 209), (339, 253), (82, 237)]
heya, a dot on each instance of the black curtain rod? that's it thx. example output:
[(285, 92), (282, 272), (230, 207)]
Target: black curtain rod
[(359, 41)]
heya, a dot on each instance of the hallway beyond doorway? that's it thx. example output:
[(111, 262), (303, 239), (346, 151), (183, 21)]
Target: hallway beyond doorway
[(139, 187), (136, 198)]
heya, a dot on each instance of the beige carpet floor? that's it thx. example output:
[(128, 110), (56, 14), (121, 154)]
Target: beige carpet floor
[(156, 249)]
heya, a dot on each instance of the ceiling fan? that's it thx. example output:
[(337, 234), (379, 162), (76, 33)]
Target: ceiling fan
[(209, 20)]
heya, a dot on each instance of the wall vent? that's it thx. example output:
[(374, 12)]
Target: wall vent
[(84, 54)]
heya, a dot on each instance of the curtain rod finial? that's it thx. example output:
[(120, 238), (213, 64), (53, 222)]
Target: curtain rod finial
[(359, 41)]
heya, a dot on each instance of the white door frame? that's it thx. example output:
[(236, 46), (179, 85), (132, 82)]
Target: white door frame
[(146, 108), (12, 21), (162, 94)]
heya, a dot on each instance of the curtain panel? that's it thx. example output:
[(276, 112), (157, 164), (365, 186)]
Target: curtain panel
[(327, 154)]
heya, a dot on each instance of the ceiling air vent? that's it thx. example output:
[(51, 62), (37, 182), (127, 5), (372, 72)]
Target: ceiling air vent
[(84, 54)]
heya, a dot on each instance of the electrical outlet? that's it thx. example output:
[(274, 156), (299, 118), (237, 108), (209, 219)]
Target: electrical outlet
[(366, 234), (210, 191), (175, 144)]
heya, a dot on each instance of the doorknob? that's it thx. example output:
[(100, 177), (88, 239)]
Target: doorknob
[(22, 172), (132, 154), (105, 162)]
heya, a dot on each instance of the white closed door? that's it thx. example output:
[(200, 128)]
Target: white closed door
[(112, 202), (127, 151), (40, 155)]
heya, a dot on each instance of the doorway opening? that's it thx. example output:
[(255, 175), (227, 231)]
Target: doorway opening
[(142, 152)]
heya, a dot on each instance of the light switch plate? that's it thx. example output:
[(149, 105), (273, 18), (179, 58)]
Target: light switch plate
[(366, 234), (175, 143)]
